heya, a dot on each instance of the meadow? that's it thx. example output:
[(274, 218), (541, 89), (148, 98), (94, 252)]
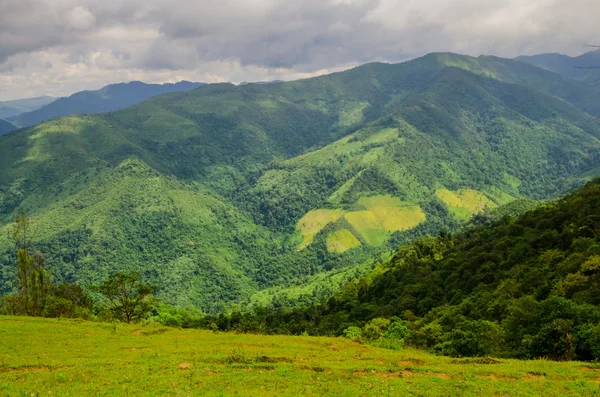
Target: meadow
[(51, 357)]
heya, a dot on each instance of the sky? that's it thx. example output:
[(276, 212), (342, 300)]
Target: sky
[(58, 47)]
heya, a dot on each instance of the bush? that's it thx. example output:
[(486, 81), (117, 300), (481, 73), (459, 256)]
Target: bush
[(376, 328), (396, 331), (353, 333)]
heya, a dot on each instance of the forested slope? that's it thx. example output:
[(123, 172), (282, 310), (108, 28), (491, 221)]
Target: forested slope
[(223, 191), (526, 287)]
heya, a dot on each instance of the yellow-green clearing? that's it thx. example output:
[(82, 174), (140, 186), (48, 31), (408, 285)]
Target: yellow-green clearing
[(341, 241), (463, 203), (384, 214), (50, 357), (314, 221)]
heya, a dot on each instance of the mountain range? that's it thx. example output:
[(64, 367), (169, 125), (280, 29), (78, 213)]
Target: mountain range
[(221, 194), (16, 107), (109, 98), (6, 127), (585, 67)]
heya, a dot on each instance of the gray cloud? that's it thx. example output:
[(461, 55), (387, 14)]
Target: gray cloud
[(57, 47)]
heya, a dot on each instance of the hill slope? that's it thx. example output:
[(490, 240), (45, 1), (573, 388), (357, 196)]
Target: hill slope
[(6, 127), (16, 107), (527, 287), (112, 97), (217, 193), (151, 361), (581, 67)]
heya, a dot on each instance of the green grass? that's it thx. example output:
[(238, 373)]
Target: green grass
[(382, 215), (341, 241), (71, 358), (465, 202), (314, 221)]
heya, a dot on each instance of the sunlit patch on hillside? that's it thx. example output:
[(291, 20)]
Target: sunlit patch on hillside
[(464, 203), (383, 215), (352, 115), (341, 241), (314, 221)]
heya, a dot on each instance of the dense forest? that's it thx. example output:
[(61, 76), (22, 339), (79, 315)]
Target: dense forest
[(523, 287), (229, 197)]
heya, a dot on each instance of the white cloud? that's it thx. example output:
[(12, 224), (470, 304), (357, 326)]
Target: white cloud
[(58, 47)]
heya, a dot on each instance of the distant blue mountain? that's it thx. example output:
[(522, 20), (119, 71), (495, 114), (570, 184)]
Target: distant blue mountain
[(112, 97), (6, 127), (582, 67), (18, 106)]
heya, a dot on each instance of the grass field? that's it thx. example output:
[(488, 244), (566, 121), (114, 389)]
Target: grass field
[(341, 241), (465, 202), (384, 214), (314, 221), (381, 216), (41, 357)]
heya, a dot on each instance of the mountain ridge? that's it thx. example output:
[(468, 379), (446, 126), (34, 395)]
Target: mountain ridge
[(236, 189), (109, 98)]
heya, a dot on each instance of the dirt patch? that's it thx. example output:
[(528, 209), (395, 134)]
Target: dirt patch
[(184, 366), (591, 367), (408, 374), (155, 331), (390, 375), (534, 375), (267, 359), (477, 360), (496, 377), (25, 368), (444, 376), (412, 361)]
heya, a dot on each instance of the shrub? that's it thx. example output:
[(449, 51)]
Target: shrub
[(353, 333)]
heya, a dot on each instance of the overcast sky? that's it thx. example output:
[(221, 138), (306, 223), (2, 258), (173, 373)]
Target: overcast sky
[(57, 47)]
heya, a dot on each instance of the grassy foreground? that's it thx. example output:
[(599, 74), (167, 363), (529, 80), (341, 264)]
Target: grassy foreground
[(71, 358)]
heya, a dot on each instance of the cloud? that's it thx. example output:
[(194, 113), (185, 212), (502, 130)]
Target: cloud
[(79, 18), (58, 47)]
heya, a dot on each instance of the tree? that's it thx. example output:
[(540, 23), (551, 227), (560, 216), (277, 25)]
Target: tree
[(128, 298), (33, 280)]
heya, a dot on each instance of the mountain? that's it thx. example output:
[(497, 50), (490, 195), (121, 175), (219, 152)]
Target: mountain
[(112, 97), (527, 287), (224, 191), (6, 127), (582, 67), (16, 107)]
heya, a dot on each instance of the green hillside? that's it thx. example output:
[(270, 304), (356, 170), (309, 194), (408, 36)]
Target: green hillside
[(220, 192), (527, 287), (74, 358)]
